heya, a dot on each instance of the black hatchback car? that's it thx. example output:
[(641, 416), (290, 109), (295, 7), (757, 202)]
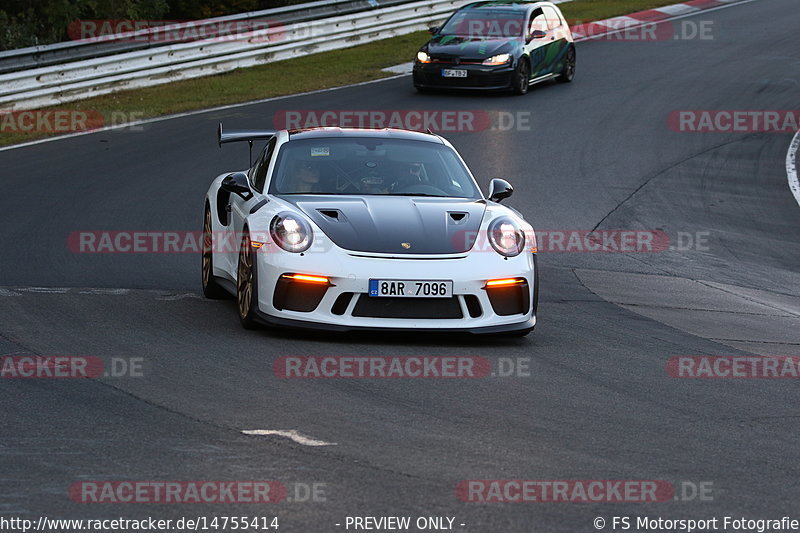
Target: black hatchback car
[(497, 45)]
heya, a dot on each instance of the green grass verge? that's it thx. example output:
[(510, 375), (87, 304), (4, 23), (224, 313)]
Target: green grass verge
[(317, 71)]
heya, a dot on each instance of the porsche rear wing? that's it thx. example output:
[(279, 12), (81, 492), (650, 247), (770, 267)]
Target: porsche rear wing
[(249, 136)]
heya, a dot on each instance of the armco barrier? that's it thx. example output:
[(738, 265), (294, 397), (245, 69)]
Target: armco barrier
[(76, 50), (141, 68)]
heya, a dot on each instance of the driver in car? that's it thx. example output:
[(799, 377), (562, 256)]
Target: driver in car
[(304, 177)]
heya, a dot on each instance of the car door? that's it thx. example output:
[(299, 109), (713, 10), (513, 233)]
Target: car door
[(557, 39), (239, 207), (537, 42)]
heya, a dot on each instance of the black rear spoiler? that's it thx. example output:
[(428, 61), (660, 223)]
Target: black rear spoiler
[(232, 136)]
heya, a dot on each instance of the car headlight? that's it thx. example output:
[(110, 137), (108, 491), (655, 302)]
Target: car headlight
[(291, 232), (499, 59), (506, 237), (423, 57)]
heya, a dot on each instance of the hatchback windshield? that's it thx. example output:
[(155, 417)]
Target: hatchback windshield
[(371, 166), (482, 23)]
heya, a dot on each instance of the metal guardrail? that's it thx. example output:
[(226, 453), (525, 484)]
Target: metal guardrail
[(59, 53), (55, 84)]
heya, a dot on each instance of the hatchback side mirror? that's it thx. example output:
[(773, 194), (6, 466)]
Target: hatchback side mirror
[(236, 183), (433, 30), (536, 34), (499, 190)]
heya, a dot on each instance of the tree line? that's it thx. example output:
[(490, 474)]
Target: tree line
[(26, 23)]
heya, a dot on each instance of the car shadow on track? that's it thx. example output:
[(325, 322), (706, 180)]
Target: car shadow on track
[(478, 93), (372, 338)]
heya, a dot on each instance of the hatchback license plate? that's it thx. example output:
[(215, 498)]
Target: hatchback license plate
[(454, 73)]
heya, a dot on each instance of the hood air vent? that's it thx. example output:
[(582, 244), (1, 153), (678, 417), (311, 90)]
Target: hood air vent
[(457, 217), (333, 214)]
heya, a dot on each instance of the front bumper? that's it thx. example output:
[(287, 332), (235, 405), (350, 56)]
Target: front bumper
[(522, 327), (429, 76), (346, 305)]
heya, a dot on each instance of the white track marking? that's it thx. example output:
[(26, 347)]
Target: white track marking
[(402, 68), (45, 290), (192, 113), (174, 297), (621, 22), (791, 167), (289, 434), (162, 295), (104, 291), (677, 9)]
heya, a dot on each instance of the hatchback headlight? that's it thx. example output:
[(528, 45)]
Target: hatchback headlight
[(499, 59), (423, 57), (291, 232), (506, 237)]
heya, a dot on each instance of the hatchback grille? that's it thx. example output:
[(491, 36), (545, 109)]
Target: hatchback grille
[(489, 80)]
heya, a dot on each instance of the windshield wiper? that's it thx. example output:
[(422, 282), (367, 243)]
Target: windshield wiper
[(308, 193), (416, 194)]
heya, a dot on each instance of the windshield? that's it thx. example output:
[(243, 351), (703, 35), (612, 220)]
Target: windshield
[(371, 166), (494, 24)]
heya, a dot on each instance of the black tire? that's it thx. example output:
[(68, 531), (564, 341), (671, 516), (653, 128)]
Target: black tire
[(522, 77), (246, 285), (568, 71), (211, 288)]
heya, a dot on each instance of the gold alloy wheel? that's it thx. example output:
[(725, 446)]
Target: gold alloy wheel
[(207, 248), (244, 278)]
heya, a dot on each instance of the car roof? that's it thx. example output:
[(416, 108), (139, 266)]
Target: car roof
[(384, 133), (520, 5)]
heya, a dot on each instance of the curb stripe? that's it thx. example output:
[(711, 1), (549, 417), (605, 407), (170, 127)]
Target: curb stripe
[(791, 167), (599, 28)]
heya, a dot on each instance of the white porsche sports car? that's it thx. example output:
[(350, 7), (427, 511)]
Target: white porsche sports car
[(346, 229)]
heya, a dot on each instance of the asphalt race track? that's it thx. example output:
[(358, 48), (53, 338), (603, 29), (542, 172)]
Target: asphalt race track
[(598, 403)]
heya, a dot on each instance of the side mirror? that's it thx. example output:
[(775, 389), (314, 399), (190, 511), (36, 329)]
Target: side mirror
[(433, 30), (236, 183), (536, 34), (499, 190)]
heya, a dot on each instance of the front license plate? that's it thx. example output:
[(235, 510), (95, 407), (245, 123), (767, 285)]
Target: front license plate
[(454, 73), (408, 288)]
